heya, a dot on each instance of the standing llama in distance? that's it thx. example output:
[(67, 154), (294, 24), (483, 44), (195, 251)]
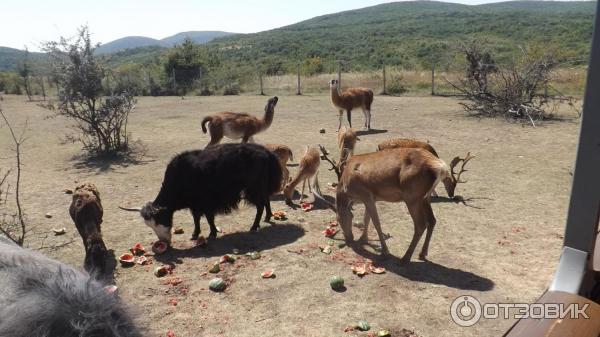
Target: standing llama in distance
[(349, 99), (235, 125)]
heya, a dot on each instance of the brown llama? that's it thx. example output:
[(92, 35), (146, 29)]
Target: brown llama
[(235, 125), (283, 153), (349, 99), (308, 168)]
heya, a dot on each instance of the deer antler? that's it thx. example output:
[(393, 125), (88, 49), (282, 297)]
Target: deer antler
[(334, 167), (455, 161)]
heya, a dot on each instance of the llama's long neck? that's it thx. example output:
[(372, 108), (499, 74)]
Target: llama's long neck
[(268, 117), (335, 96)]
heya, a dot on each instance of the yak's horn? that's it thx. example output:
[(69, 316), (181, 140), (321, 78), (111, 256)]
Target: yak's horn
[(134, 209)]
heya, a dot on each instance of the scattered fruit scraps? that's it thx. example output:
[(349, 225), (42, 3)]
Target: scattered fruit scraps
[(362, 269), (173, 302), (306, 206), (170, 333), (330, 232), (142, 260), (326, 249), (138, 249), (280, 215), (227, 258), (268, 274), (173, 281)]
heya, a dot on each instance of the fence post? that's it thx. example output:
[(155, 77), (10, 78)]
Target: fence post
[(298, 92), (340, 75), (262, 93), (43, 88), (432, 79), (174, 82), (384, 82)]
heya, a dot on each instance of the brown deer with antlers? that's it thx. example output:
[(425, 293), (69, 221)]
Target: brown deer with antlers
[(451, 181), (397, 175), (308, 168), (235, 125)]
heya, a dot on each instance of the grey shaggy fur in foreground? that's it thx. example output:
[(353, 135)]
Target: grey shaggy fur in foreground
[(41, 297)]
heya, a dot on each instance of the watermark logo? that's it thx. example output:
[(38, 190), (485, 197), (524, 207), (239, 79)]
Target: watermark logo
[(467, 310)]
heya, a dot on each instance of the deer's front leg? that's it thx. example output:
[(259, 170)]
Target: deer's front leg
[(372, 209), (365, 235)]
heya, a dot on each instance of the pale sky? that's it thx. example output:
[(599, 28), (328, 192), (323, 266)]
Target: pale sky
[(34, 21)]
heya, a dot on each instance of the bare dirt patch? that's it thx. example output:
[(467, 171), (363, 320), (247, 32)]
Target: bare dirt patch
[(502, 246)]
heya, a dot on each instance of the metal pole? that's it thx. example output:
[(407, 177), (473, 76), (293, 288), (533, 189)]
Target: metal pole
[(174, 82), (298, 92), (384, 82), (432, 79), (262, 93), (340, 75)]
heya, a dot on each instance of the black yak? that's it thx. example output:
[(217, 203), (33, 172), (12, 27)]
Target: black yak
[(213, 181), (86, 211), (41, 297)]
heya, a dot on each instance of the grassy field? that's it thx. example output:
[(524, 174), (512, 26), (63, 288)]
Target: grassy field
[(502, 246)]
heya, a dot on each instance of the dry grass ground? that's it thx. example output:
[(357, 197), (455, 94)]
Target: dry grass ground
[(502, 247)]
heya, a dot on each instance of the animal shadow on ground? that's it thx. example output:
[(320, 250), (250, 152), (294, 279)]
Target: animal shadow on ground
[(265, 238), (370, 132), (459, 199), (104, 163), (427, 271)]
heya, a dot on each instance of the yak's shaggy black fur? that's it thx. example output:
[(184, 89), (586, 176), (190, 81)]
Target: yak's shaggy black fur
[(213, 181), (41, 297)]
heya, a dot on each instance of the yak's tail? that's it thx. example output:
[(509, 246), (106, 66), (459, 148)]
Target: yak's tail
[(204, 121)]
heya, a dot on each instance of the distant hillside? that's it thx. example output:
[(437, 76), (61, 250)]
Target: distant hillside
[(10, 58), (132, 42), (399, 33), (402, 33)]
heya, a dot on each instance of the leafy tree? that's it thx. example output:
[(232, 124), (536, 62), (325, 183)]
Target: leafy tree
[(185, 65), (25, 72), (101, 123)]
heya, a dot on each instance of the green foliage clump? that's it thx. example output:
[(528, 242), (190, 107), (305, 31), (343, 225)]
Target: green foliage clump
[(101, 124)]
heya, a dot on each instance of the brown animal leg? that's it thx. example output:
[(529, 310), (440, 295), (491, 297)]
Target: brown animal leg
[(210, 218), (302, 193), (259, 212), (349, 115), (341, 116), (268, 209), (418, 215), (196, 214), (216, 132), (365, 235), (430, 226), (372, 209)]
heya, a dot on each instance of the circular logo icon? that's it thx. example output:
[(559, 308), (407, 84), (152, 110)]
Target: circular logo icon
[(465, 310)]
